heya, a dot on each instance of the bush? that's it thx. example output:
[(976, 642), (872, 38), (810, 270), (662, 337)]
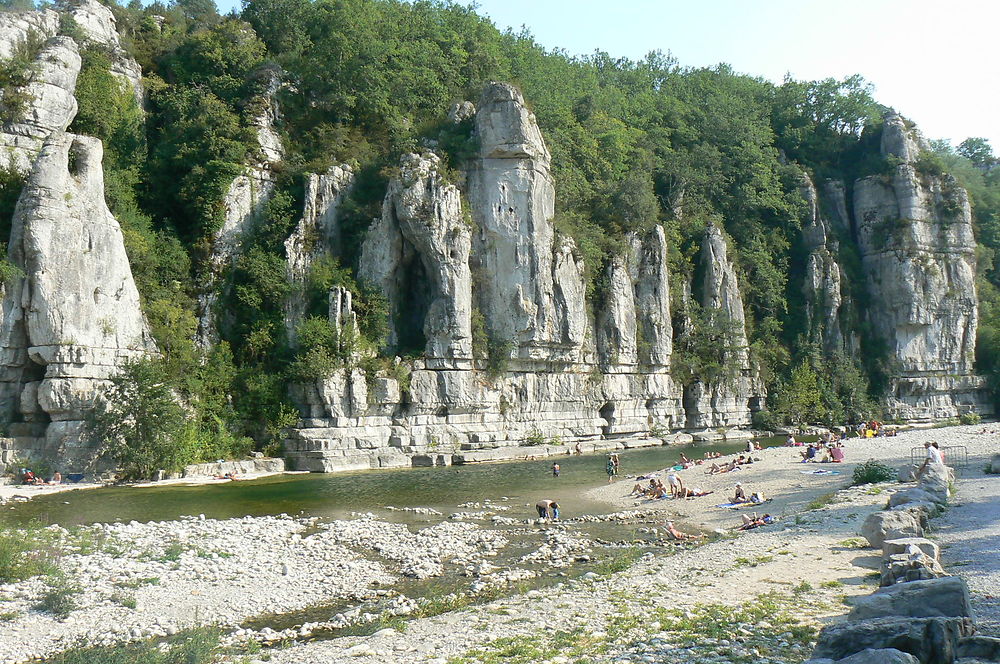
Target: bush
[(872, 471), (60, 600), (970, 418), (18, 561), (138, 422)]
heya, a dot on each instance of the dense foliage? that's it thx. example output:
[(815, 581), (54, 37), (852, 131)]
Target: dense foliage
[(634, 143)]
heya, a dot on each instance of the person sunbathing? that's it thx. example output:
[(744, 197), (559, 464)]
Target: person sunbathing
[(693, 493), (724, 468), (678, 535), (753, 521)]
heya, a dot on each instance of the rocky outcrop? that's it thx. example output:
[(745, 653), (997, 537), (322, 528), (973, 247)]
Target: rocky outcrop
[(824, 289), (50, 106), (513, 201), (316, 235), (74, 317), (728, 401), (417, 253), (99, 25), (243, 203), (918, 252)]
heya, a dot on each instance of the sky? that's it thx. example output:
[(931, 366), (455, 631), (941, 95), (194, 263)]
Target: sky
[(935, 62)]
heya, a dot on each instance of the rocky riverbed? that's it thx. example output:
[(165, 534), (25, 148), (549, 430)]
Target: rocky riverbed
[(756, 596)]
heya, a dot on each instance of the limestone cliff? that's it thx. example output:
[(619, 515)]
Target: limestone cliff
[(74, 317), (825, 290), (512, 195), (243, 203), (918, 252), (98, 24), (418, 254), (316, 235), (50, 105), (729, 400)]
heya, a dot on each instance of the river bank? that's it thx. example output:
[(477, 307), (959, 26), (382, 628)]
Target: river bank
[(144, 580)]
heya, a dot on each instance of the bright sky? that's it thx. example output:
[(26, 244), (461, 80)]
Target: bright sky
[(936, 62)]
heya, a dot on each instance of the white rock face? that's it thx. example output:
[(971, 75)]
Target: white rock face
[(650, 276), (51, 87), (75, 316), (725, 403), (100, 26), (418, 254), (317, 234), (918, 252), (616, 322), (513, 202), (824, 288)]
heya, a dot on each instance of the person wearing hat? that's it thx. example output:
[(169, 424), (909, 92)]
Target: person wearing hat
[(740, 496)]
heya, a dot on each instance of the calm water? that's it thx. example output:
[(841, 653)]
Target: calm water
[(336, 495)]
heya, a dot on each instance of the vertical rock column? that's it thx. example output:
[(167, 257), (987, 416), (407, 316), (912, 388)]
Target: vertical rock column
[(74, 317), (527, 295), (725, 402), (317, 234), (918, 253), (634, 338), (826, 301)]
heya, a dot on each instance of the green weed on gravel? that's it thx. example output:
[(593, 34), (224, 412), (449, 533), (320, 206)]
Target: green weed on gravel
[(195, 646)]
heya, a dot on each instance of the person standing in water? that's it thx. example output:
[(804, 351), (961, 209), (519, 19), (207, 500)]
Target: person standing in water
[(545, 506), (612, 469), (555, 470)]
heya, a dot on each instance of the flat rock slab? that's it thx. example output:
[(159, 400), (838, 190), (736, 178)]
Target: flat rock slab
[(902, 545), (881, 526)]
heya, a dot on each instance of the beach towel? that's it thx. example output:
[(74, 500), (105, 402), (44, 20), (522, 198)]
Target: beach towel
[(749, 503), (820, 472)]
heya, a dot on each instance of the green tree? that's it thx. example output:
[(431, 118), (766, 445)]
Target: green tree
[(799, 400), (137, 422), (978, 151)]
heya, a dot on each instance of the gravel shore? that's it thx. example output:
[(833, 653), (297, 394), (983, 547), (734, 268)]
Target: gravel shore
[(145, 580)]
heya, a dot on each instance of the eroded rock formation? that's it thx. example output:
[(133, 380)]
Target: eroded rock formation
[(74, 317), (729, 400), (418, 254), (49, 102), (918, 252)]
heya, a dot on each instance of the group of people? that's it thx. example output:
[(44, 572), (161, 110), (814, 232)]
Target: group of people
[(656, 489), (734, 464), (820, 452), (29, 477)]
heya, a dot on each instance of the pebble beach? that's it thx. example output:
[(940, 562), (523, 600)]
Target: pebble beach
[(149, 580)]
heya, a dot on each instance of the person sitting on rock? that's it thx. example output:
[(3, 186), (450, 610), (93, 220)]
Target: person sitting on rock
[(934, 456)]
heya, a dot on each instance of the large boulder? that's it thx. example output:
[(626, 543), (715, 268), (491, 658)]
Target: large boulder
[(880, 656), (944, 597), (912, 495), (881, 526), (936, 481), (930, 640), (980, 647)]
